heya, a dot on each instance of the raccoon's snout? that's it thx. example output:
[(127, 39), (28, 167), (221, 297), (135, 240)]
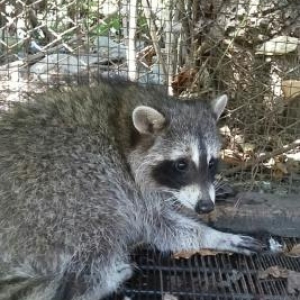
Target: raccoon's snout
[(204, 206), (207, 202), (197, 197)]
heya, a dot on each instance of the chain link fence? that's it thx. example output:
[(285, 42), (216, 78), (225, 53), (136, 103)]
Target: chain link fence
[(248, 49)]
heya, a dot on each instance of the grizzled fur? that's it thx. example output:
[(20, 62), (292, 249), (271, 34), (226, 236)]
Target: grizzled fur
[(88, 173)]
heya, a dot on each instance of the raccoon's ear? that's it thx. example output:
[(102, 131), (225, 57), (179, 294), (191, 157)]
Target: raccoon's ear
[(218, 105), (147, 120)]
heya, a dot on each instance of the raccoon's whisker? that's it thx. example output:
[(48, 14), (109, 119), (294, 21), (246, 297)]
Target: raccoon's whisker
[(170, 199), (173, 198), (218, 184), (155, 193), (168, 191), (217, 187), (217, 181)]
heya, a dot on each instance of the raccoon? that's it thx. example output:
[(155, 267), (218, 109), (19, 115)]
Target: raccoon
[(88, 173)]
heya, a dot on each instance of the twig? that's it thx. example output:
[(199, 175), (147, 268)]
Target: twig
[(132, 71), (35, 22), (262, 158), (225, 53), (34, 57), (186, 33), (150, 21), (58, 37), (168, 47), (176, 40), (194, 36)]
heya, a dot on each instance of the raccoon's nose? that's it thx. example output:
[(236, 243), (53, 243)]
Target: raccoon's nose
[(204, 207)]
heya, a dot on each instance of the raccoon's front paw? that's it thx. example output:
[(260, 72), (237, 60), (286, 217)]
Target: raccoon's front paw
[(245, 244)]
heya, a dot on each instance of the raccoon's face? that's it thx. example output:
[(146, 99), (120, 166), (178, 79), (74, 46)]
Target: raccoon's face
[(177, 152)]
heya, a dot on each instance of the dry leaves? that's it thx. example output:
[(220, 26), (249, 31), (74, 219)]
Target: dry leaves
[(294, 252), (231, 157), (293, 278), (281, 165), (274, 271), (290, 89), (183, 80), (202, 252), (237, 153), (146, 55)]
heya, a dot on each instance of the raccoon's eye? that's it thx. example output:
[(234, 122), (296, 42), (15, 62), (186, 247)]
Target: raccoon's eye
[(181, 165)]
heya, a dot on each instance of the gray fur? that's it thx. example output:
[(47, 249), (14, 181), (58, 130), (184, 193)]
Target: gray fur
[(76, 191)]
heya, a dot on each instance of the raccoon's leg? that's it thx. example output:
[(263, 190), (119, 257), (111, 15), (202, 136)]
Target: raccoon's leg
[(98, 280), (93, 282), (107, 279), (23, 282), (178, 232)]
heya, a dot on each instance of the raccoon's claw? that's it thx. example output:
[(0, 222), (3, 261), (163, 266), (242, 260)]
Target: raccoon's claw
[(251, 244), (247, 245)]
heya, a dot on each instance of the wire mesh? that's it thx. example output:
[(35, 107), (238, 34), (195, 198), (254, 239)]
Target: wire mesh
[(210, 277), (247, 49)]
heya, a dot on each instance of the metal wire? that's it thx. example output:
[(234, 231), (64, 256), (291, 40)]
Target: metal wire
[(230, 277)]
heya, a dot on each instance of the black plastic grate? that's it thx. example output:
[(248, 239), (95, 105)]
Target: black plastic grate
[(220, 277)]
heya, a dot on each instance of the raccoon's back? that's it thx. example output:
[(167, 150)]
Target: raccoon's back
[(75, 107), (61, 173)]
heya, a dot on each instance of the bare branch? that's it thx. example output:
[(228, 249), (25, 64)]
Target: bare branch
[(132, 70), (150, 21)]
